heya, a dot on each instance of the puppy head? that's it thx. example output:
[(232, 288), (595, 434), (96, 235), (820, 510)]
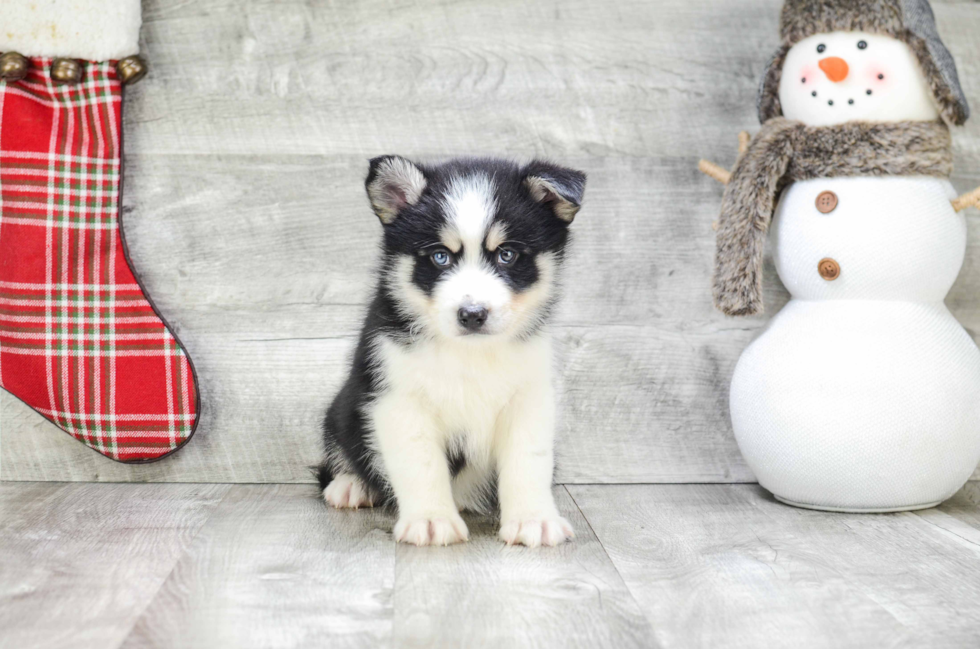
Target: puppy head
[(473, 247)]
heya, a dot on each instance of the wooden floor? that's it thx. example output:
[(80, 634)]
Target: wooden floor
[(238, 566)]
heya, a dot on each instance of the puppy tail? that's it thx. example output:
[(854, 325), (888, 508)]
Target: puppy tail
[(323, 474)]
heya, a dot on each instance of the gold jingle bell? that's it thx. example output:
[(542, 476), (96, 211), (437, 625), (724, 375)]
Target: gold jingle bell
[(131, 69), (13, 66), (66, 71)]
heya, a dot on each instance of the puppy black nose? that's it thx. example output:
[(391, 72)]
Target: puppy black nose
[(472, 317)]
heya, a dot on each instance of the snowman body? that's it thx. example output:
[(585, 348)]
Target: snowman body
[(863, 393)]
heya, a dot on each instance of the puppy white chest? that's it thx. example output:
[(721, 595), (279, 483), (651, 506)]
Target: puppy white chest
[(464, 384)]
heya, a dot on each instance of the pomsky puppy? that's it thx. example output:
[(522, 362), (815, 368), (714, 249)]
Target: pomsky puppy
[(449, 404)]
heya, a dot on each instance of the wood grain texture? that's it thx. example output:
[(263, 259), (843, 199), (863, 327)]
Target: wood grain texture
[(79, 564), (484, 594), (727, 566), (245, 213), (674, 566), (274, 567)]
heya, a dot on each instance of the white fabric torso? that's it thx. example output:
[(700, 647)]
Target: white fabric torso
[(862, 393), (894, 238)]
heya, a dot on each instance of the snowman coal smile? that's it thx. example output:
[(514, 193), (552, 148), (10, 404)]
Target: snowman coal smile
[(836, 70)]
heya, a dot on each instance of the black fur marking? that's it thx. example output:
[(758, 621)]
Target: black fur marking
[(457, 462), (344, 427), (324, 475)]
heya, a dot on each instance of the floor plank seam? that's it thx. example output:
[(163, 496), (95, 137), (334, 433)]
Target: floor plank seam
[(601, 544), (922, 517), (650, 623), (190, 544)]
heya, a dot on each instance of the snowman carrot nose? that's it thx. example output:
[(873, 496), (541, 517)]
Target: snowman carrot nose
[(835, 68)]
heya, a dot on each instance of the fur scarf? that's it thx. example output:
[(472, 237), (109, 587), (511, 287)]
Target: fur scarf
[(785, 151)]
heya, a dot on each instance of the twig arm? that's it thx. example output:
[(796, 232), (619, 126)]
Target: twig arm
[(717, 172), (970, 199), (743, 142)]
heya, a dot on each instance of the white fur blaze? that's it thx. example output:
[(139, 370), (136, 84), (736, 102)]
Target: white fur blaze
[(470, 206)]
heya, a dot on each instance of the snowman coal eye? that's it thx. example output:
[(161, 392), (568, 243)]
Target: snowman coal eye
[(862, 45), (821, 48)]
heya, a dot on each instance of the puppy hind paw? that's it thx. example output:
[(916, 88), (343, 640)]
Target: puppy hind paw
[(347, 491), (436, 529), (535, 531)]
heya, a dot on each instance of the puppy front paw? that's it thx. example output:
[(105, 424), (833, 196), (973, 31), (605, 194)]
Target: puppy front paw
[(536, 530), (347, 491), (443, 528)]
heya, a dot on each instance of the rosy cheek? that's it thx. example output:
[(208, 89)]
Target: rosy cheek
[(808, 75), (877, 77)]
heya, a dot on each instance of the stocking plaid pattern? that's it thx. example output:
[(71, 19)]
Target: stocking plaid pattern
[(79, 341)]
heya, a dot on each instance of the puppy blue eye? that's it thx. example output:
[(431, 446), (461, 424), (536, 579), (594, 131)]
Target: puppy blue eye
[(862, 45), (821, 48), (442, 259), (506, 257)]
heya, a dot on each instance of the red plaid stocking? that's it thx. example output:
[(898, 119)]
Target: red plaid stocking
[(79, 342)]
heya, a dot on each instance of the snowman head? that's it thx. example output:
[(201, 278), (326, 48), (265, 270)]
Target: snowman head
[(861, 60), (847, 76)]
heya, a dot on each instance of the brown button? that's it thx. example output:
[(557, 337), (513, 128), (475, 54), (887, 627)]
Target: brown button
[(828, 269), (827, 202)]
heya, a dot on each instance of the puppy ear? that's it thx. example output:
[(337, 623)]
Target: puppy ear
[(559, 188), (393, 183)]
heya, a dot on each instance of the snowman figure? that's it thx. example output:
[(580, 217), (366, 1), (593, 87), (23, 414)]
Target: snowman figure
[(863, 393)]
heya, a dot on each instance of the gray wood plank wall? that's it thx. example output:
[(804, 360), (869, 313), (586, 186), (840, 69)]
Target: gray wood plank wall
[(246, 151)]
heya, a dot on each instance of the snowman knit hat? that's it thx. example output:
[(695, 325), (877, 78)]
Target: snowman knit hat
[(910, 21)]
